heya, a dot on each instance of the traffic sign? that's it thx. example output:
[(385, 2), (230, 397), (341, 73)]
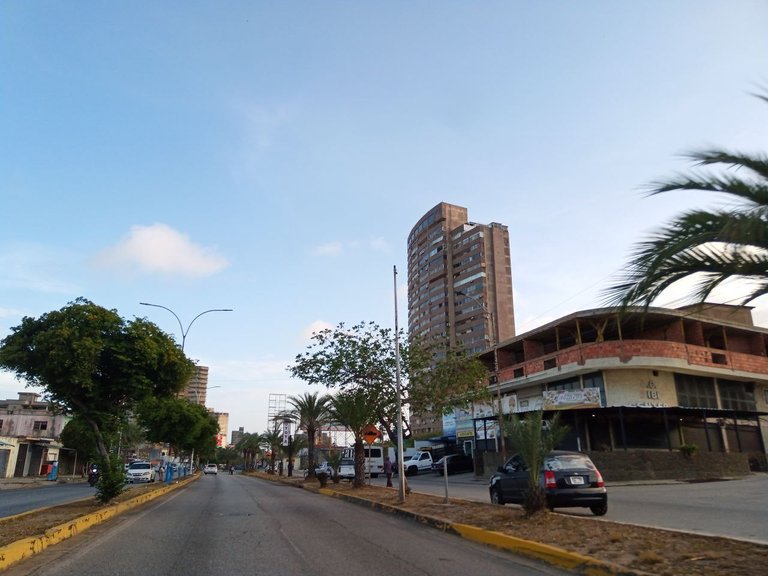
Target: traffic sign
[(371, 433)]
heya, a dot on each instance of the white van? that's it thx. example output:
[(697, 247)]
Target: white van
[(374, 459)]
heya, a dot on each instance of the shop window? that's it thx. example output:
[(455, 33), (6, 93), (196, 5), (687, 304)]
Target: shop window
[(737, 395), (695, 391)]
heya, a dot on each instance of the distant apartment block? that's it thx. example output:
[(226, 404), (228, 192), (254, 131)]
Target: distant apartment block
[(196, 390), (237, 435), (223, 419)]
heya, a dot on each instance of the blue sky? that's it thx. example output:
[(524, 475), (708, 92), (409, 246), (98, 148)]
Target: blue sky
[(271, 157)]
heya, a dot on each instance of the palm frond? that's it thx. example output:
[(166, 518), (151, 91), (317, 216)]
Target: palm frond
[(711, 245)]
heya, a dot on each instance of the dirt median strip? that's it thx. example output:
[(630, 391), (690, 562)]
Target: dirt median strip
[(572, 561), (27, 547)]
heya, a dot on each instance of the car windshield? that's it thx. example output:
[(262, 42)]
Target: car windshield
[(568, 462), (140, 466), (347, 462)]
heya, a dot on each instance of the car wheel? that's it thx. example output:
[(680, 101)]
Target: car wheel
[(412, 471), (599, 510), (496, 497)]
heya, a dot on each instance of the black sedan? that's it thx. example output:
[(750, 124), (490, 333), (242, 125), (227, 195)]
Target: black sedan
[(569, 479), (456, 463)]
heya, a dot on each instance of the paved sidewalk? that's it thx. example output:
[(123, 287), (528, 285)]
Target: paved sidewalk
[(33, 481)]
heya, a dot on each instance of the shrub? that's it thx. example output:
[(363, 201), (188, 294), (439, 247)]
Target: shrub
[(111, 479), (688, 450)]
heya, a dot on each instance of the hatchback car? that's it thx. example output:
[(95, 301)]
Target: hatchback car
[(456, 463), (569, 479), (211, 469), (140, 472)]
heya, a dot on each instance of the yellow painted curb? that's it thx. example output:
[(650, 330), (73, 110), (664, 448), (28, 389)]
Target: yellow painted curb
[(553, 555), (21, 549), (550, 554)]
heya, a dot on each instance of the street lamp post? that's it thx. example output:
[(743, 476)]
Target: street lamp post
[(184, 333), (501, 442)]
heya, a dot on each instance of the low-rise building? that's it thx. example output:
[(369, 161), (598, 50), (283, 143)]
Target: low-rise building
[(29, 436), (656, 379)]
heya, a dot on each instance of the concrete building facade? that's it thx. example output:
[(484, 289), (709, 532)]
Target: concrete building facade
[(459, 286), (29, 436), (654, 380), (196, 390)]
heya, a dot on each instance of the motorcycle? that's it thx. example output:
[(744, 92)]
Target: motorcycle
[(93, 476)]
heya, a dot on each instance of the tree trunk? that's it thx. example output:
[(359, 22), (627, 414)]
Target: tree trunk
[(359, 480), (310, 452)]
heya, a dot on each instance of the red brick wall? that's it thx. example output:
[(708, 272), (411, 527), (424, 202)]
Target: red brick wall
[(628, 349)]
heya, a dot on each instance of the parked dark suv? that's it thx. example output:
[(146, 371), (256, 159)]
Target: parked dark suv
[(570, 480), (456, 463)]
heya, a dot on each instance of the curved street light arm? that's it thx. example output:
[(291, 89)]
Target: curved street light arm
[(181, 326)]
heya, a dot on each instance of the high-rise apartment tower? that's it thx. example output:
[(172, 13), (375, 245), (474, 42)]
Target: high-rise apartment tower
[(459, 280), (459, 283)]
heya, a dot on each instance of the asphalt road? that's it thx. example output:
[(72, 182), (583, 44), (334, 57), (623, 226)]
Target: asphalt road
[(239, 525), (732, 508), (21, 500)]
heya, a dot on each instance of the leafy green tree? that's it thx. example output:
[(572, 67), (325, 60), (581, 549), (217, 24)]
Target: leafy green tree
[(310, 412), (452, 380), (227, 456), (711, 245), (78, 435), (363, 356), (131, 435), (97, 366), (533, 439), (183, 425), (353, 408)]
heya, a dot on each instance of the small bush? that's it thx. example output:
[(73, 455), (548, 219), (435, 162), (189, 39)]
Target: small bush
[(111, 479), (689, 450)]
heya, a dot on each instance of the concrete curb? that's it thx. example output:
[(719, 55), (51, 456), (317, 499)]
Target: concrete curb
[(27, 547)]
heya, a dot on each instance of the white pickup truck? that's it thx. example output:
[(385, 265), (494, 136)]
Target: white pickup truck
[(419, 462)]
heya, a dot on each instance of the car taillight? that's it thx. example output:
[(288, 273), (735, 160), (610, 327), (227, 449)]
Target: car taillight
[(600, 482), (549, 479)]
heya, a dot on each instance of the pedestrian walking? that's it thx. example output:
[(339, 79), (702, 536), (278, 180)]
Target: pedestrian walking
[(388, 471)]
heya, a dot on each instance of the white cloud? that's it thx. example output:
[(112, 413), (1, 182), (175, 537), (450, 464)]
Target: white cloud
[(337, 247), (313, 328), (328, 249), (161, 249), (381, 245)]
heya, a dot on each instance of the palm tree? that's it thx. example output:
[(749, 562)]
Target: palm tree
[(273, 440), (310, 412), (250, 447), (716, 245), (533, 441), (354, 409)]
